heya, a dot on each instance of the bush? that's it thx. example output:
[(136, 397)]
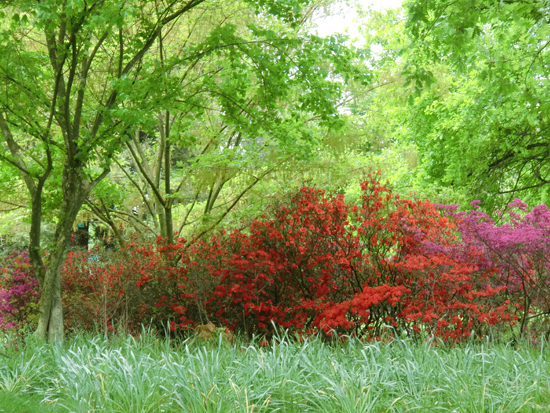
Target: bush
[(320, 264), (19, 293), (315, 263), (519, 251), (121, 289)]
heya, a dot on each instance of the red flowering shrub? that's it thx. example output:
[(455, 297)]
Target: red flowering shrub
[(313, 263), (122, 289), (320, 263)]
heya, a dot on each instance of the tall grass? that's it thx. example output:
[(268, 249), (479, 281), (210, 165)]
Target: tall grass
[(151, 375)]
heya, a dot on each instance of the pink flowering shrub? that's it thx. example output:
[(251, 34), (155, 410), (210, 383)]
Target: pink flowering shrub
[(19, 292), (518, 247)]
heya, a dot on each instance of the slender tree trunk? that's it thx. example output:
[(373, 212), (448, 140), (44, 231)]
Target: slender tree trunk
[(168, 189), (75, 191), (161, 214), (50, 321)]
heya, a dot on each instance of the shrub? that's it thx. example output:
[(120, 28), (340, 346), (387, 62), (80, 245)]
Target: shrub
[(315, 263), (321, 264), (19, 292), (519, 248), (119, 289)]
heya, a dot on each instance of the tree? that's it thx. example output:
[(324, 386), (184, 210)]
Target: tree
[(88, 78), (260, 106), (495, 107), (385, 121), (80, 79)]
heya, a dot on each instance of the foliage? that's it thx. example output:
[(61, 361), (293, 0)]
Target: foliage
[(118, 291), (460, 85), (12, 403), (93, 77), (390, 122), (314, 263), (320, 263), (481, 75), (256, 96)]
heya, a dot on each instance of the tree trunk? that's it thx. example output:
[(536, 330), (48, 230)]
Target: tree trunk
[(75, 191), (50, 321)]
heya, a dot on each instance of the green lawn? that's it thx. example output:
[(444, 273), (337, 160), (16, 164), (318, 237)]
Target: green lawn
[(150, 375)]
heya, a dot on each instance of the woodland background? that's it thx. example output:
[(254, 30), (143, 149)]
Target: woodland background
[(182, 132)]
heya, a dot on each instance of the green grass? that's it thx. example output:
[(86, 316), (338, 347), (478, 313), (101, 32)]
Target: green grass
[(23, 403), (150, 375)]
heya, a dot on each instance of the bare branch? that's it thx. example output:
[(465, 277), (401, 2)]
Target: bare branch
[(15, 150), (145, 175)]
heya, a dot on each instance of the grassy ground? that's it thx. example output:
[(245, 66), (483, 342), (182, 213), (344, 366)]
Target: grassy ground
[(23, 403), (149, 375)]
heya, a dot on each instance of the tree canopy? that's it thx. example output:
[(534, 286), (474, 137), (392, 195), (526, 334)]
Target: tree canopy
[(487, 128)]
